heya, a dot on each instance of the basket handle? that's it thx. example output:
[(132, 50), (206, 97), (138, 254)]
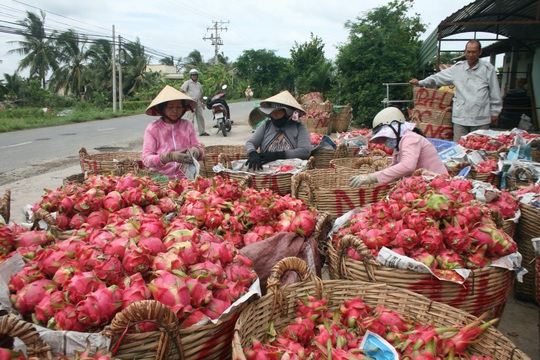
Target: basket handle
[(42, 214), (460, 166), (310, 165), (83, 153), (368, 260), (341, 151), (365, 160), (147, 311), (6, 205), (224, 160), (297, 181), (378, 152), (323, 225), (279, 269), (443, 114), (12, 326)]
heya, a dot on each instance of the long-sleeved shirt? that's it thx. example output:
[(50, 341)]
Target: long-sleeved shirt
[(295, 132), (415, 152), (477, 95), (161, 138), (194, 90)]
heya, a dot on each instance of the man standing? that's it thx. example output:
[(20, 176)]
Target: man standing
[(193, 89), (477, 99)]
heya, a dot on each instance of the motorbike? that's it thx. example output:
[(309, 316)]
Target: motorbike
[(220, 112)]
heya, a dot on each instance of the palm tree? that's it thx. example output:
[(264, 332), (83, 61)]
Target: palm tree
[(194, 60), (134, 62), (100, 65), (71, 75), (37, 47)]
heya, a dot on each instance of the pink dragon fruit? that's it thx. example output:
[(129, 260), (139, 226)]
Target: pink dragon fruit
[(52, 301), (431, 239), (449, 260), (99, 306), (26, 299), (81, 284), (171, 290), (134, 289)]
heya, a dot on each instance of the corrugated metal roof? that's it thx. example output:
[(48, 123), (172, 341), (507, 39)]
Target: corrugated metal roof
[(517, 20)]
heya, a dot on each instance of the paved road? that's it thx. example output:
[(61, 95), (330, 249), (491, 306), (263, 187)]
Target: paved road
[(32, 152)]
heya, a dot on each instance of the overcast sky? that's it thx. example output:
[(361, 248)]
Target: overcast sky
[(177, 27)]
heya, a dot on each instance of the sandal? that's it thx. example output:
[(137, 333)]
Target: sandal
[(204, 134)]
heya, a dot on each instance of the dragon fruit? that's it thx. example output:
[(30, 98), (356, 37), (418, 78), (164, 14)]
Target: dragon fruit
[(26, 299), (171, 290)]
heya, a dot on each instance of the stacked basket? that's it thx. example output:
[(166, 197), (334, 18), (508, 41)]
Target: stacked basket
[(280, 304), (110, 162), (211, 154), (322, 157), (342, 118), (11, 327), (5, 205), (432, 112), (527, 228)]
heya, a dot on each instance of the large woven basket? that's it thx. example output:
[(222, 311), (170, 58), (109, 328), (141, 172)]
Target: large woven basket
[(279, 183), (528, 227), (486, 289), (493, 179), (317, 105), (328, 190), (280, 304), (211, 154), (5, 205), (434, 130), (118, 163), (317, 125), (322, 157), (433, 106), (12, 327), (520, 178), (364, 164), (535, 150), (342, 119)]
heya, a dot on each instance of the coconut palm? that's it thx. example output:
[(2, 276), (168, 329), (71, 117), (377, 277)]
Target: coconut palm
[(38, 47), (134, 62), (73, 54), (100, 65)]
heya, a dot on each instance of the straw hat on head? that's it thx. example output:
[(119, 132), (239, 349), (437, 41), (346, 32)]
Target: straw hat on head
[(283, 100), (168, 93)]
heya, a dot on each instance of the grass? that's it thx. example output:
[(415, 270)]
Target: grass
[(24, 119)]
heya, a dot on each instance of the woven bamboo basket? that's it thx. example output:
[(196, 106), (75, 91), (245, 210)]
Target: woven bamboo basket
[(317, 125), (278, 183), (535, 150), (364, 164), (211, 153), (328, 190), (486, 289), (211, 341), (110, 162), (521, 177), (342, 120), (322, 157), (12, 327), (280, 303), (5, 205), (317, 105), (493, 179), (310, 97), (527, 228), (434, 130)]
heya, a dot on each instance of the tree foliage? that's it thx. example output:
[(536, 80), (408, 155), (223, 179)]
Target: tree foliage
[(381, 48), (312, 72)]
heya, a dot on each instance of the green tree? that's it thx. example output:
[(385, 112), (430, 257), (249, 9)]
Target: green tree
[(312, 72), (194, 60), (71, 75), (100, 65), (134, 62), (381, 48), (266, 72), (169, 61), (38, 47), (13, 87)]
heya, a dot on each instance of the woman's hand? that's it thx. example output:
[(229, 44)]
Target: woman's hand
[(363, 179), (254, 161), (176, 156)]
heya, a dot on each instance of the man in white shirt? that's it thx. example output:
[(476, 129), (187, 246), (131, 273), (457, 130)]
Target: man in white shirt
[(193, 88)]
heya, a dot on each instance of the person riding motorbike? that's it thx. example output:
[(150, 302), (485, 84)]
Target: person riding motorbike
[(220, 99)]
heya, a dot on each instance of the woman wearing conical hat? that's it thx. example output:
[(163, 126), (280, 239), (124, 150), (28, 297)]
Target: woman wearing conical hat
[(170, 142), (280, 138)]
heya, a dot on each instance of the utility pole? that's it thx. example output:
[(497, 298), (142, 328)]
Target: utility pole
[(215, 37), (113, 60), (120, 90)]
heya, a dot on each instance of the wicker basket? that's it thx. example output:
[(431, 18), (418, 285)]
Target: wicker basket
[(322, 157), (211, 153), (521, 177), (316, 105), (493, 179), (5, 205), (118, 163), (486, 289), (433, 106), (329, 191), (312, 97), (317, 125), (527, 228), (364, 164), (535, 150), (12, 327), (254, 320), (342, 119), (434, 130), (279, 183)]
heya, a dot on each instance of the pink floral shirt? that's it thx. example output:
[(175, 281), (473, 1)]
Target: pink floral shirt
[(415, 152), (161, 138)]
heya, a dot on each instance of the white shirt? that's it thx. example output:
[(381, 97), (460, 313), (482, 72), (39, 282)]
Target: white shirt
[(477, 96)]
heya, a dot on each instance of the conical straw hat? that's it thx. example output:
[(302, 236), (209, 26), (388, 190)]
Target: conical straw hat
[(282, 100), (168, 93)]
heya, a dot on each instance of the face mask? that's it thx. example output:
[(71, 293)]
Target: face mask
[(391, 143), (280, 122)]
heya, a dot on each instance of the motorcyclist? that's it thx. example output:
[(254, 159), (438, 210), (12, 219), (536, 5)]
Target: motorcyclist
[(220, 100)]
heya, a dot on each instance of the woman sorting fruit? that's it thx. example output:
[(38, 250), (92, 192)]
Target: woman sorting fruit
[(170, 143), (281, 137), (411, 149)]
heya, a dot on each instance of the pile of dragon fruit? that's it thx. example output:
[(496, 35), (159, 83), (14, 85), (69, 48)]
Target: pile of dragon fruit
[(437, 222), (488, 143), (126, 239), (318, 333)]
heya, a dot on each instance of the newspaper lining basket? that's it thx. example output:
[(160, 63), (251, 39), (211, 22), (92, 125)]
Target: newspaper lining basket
[(328, 190), (110, 162), (526, 229), (521, 177), (279, 183), (280, 303), (322, 157), (211, 154), (12, 327), (486, 289), (5, 205)]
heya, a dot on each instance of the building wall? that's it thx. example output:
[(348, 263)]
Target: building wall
[(535, 81)]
